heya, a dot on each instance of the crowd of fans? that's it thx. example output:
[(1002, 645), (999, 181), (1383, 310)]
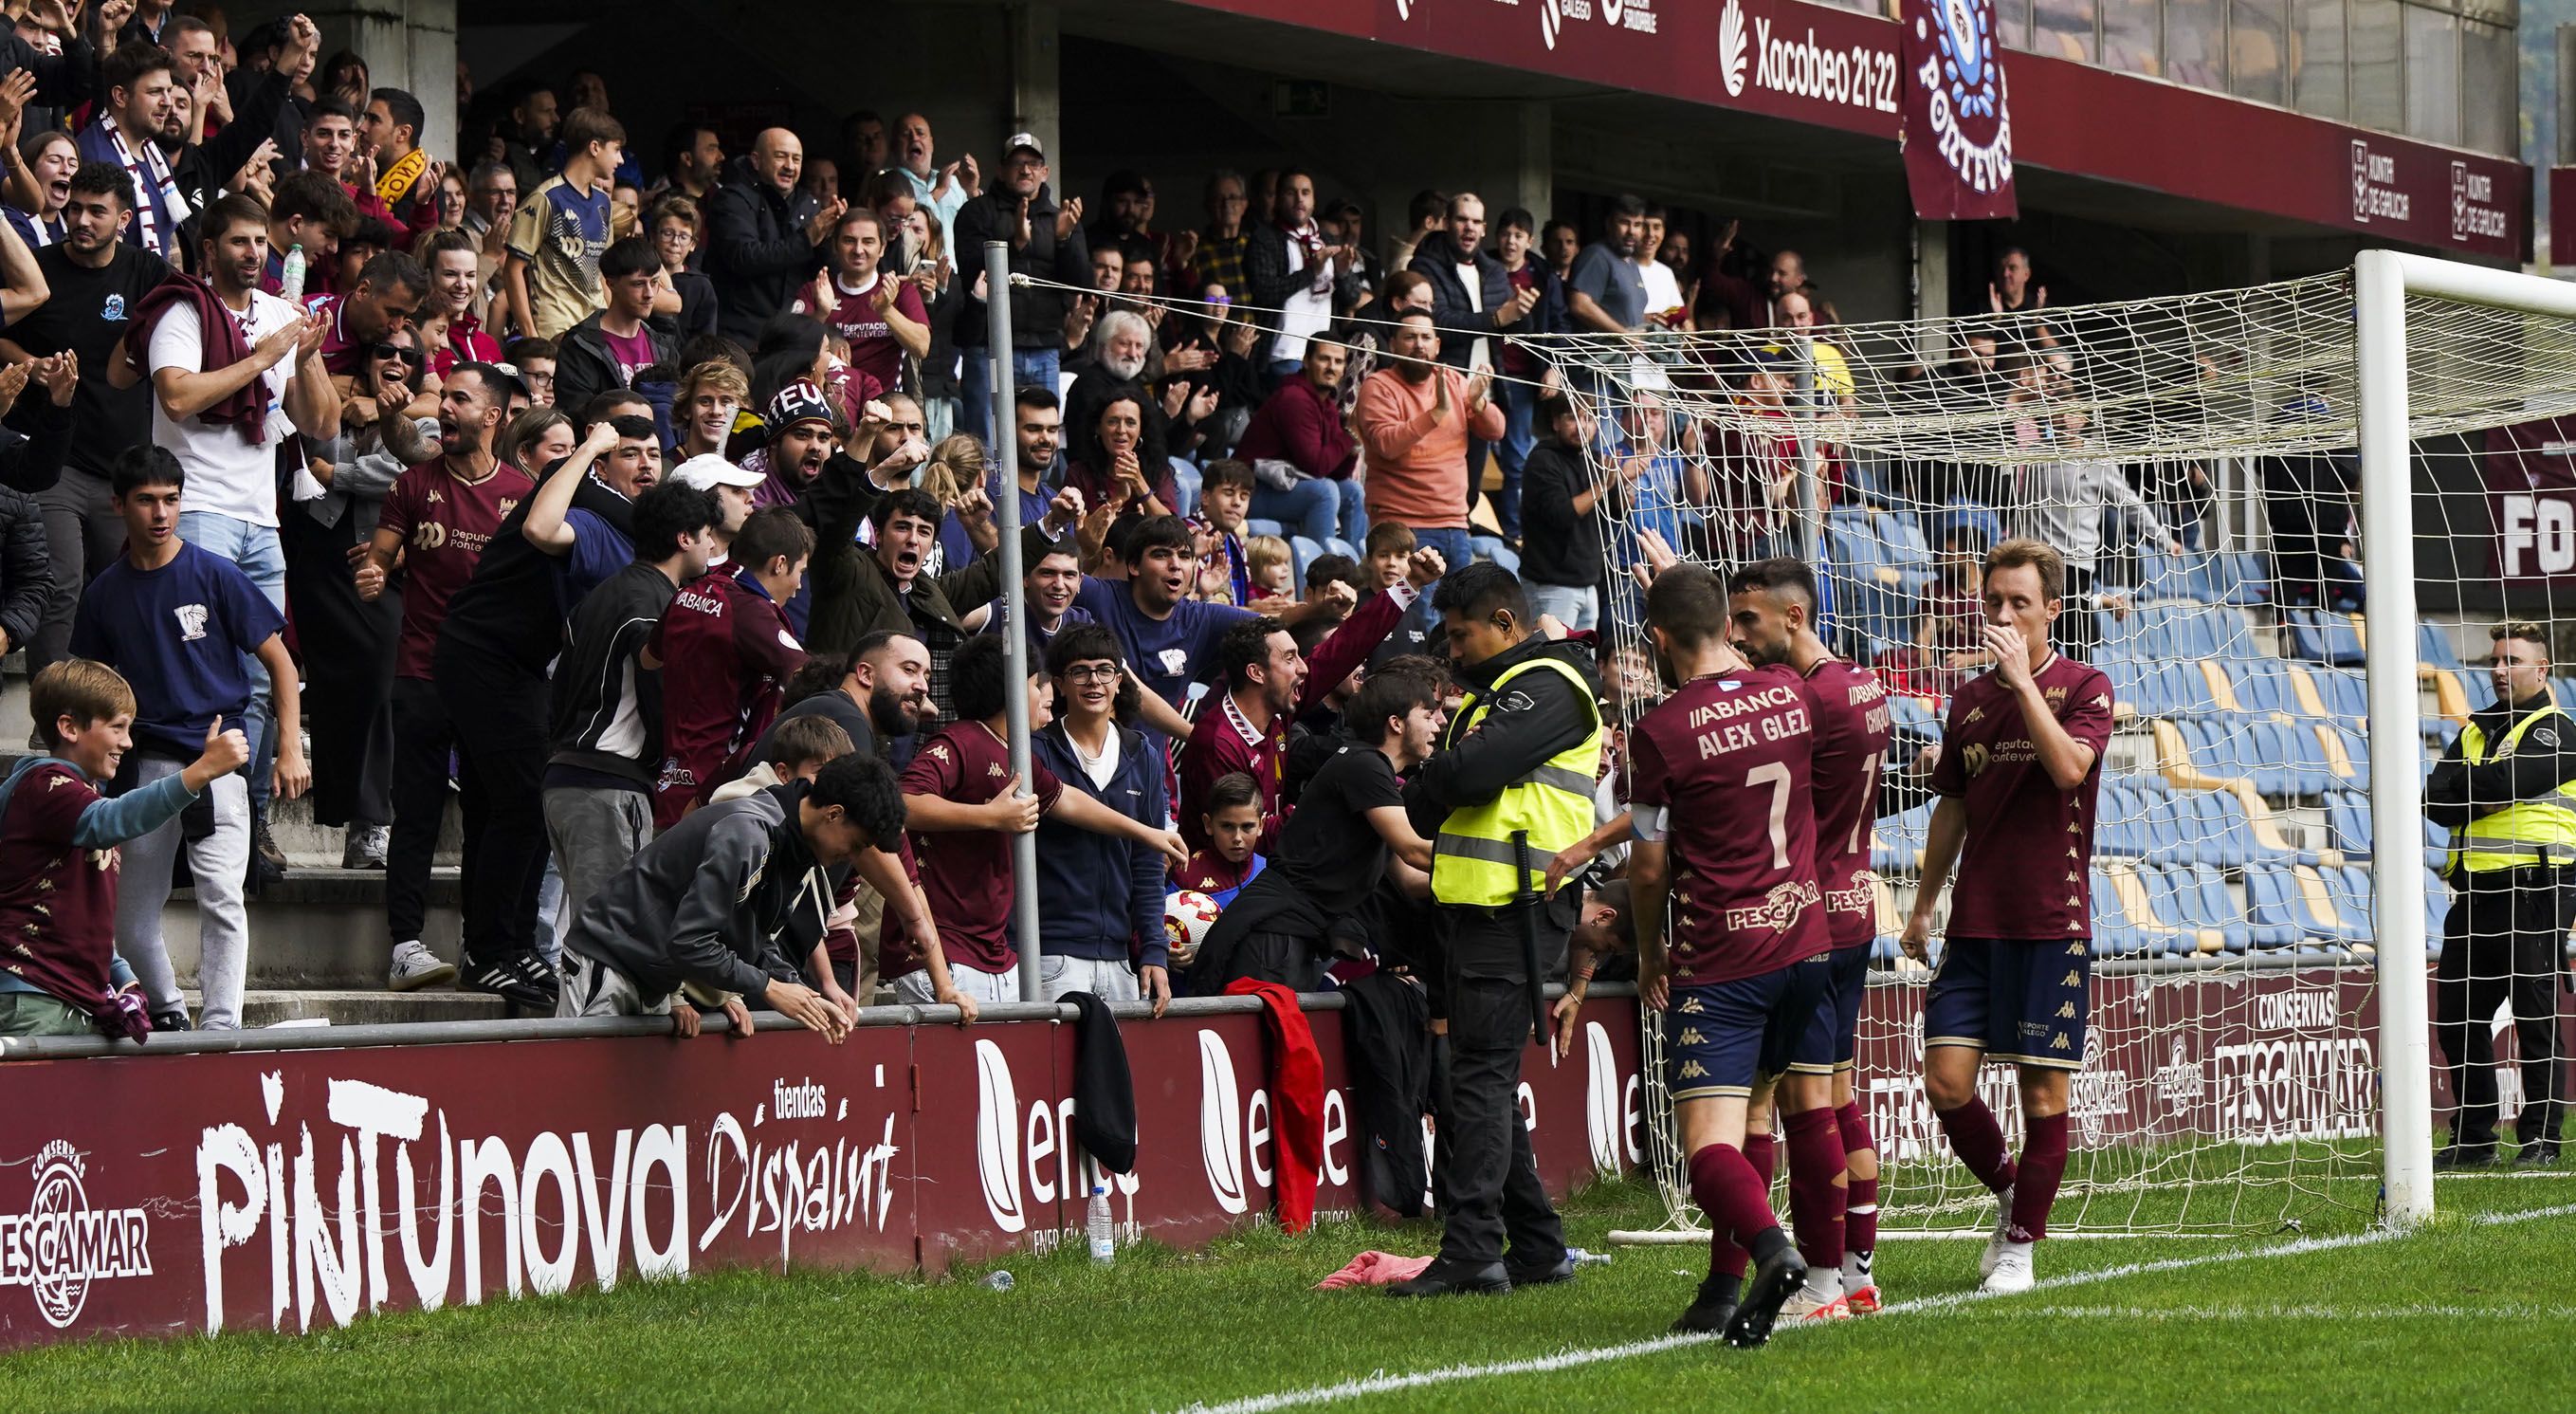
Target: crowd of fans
[(592, 498)]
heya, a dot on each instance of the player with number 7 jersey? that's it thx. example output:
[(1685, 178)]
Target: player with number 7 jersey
[(1725, 823)]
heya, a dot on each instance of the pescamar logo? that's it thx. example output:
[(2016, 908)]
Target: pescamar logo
[(61, 1244)]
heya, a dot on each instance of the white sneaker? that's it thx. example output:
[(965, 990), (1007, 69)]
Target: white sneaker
[(415, 967), (2012, 1274), (2003, 1227), (1803, 1308)]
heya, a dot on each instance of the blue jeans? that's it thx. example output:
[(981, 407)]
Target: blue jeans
[(1452, 543), (1520, 405), (1574, 608), (1029, 368), (1310, 508), (254, 549)]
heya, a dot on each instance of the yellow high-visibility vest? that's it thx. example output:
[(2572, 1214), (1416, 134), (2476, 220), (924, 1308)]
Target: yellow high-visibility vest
[(1473, 861), (2526, 832)]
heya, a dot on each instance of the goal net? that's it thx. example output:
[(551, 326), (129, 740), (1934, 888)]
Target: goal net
[(2198, 460)]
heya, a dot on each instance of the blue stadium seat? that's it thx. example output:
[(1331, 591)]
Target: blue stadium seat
[(2476, 686), (2356, 752), (2115, 933), (2263, 685), (2126, 639), (2433, 647), (2271, 919), (2184, 689), (1976, 518), (2348, 820), (1896, 843), (2214, 830), (2236, 578), (2202, 898), (1907, 549), (2120, 820), (2323, 636), (2306, 769), (2345, 692)]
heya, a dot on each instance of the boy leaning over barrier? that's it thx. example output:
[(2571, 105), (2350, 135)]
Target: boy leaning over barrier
[(59, 971)]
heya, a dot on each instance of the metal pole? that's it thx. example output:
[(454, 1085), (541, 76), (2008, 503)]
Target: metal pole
[(1015, 640), (2396, 795)]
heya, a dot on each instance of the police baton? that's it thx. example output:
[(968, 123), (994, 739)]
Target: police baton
[(1528, 900)]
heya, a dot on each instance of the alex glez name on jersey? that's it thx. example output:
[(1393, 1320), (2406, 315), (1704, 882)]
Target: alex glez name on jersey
[(1730, 736)]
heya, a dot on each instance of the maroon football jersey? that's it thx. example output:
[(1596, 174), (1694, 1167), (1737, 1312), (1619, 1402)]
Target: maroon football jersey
[(1726, 763), (2024, 866), (1852, 735), (967, 873)]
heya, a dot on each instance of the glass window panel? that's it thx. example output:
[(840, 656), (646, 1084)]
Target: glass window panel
[(2490, 80), (2432, 75), (2258, 49), (2196, 42), (2318, 58), (2130, 41), (2064, 30), (2012, 21), (2378, 65)]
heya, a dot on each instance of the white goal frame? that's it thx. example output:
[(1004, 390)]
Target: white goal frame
[(2382, 281)]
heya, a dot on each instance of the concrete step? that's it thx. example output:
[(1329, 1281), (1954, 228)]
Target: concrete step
[(351, 1007), (318, 928)]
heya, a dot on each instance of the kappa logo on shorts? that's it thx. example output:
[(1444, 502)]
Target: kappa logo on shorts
[(2059, 1043), (2066, 1011), (2075, 949), (2073, 979), (1693, 1070), (1689, 1007), (1691, 1036)]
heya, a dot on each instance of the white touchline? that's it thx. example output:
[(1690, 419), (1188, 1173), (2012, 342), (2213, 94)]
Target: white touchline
[(1382, 1383), (2274, 1313)]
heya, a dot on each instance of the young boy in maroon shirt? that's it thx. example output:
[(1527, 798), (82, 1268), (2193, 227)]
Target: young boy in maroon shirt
[(1232, 826), (59, 971), (726, 652), (2019, 769), (962, 806)]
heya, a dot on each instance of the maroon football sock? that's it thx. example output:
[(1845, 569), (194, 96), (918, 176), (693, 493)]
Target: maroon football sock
[(1725, 1258), (1860, 1196), (1815, 1200), (1732, 1195), (1979, 1143), (2043, 1163)]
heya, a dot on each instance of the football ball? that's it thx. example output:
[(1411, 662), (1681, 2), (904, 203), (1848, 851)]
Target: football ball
[(1187, 917)]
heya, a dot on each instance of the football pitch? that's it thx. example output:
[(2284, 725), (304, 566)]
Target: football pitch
[(2474, 1312)]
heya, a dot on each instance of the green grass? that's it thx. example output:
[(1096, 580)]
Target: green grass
[(2461, 1316)]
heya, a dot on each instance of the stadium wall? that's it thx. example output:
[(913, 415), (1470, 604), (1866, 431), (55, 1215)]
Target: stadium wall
[(297, 1179)]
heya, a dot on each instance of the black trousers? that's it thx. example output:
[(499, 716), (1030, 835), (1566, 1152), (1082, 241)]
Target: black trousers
[(348, 646), (422, 742), (2504, 941), (1486, 1176), (499, 717)]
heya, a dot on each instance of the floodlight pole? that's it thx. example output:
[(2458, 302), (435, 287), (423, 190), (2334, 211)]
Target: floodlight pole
[(1015, 634)]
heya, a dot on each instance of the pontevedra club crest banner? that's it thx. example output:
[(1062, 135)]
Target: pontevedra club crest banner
[(1958, 131)]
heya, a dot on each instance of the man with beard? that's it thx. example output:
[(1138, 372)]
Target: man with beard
[(608, 724), (437, 521), (385, 298), (1605, 294), (1416, 419), (140, 106), (501, 631), (764, 238), (225, 359), (803, 432), (1046, 245), (880, 689), (878, 312), (96, 282), (206, 170)]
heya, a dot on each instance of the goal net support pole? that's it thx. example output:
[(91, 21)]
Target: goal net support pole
[(2382, 282)]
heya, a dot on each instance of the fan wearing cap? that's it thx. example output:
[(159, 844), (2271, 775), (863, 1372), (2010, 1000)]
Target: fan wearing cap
[(734, 488), (804, 430), (728, 637), (1046, 245)]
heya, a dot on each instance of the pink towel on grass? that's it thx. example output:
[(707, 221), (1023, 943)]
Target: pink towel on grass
[(1375, 1269)]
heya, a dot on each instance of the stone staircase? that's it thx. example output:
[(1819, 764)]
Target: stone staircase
[(317, 939)]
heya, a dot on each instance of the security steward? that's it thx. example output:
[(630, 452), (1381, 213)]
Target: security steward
[(1510, 786), (2507, 790)]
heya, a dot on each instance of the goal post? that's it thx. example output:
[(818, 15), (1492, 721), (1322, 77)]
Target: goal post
[(2262, 1045), (2383, 280)]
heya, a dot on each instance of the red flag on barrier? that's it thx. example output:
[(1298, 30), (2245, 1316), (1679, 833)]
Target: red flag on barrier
[(1957, 133)]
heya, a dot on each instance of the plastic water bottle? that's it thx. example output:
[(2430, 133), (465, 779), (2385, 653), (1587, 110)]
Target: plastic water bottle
[(998, 1281), (290, 276), (1588, 1259), (1104, 1241)]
